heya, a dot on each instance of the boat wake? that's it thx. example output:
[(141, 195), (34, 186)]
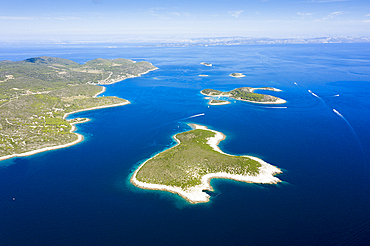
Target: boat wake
[(362, 229), (276, 107), (197, 115), (336, 111), (337, 95), (313, 94), (353, 131), (341, 116)]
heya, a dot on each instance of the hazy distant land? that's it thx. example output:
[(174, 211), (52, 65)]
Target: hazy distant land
[(222, 41)]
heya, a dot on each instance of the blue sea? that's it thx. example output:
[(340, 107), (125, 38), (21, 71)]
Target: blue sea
[(320, 138)]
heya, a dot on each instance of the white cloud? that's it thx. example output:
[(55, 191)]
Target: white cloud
[(67, 18), (332, 15), (174, 13), (64, 18), (308, 13), (168, 14), (235, 13), (177, 14), (16, 18), (304, 14), (327, 1), (160, 16)]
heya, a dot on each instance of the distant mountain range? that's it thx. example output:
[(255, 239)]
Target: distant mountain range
[(261, 41), (180, 42)]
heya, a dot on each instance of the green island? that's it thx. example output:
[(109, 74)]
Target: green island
[(237, 75), (245, 94), (186, 169), (37, 94), (218, 102)]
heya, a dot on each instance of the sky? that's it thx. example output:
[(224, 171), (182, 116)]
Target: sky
[(146, 19)]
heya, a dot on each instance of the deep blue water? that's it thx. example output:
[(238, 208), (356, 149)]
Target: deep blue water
[(81, 195)]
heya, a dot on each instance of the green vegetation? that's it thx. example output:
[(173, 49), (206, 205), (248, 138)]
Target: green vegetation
[(212, 92), (214, 101), (36, 93), (185, 164), (237, 75), (244, 93)]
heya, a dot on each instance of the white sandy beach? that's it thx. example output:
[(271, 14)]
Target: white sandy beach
[(195, 194), (105, 106), (102, 91)]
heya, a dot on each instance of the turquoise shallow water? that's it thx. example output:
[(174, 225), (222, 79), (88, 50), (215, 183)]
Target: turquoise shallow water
[(81, 195)]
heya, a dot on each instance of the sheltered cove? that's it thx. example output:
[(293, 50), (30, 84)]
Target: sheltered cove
[(196, 194)]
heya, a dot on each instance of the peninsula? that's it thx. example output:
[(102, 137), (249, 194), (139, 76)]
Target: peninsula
[(187, 168), (37, 94), (245, 94)]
